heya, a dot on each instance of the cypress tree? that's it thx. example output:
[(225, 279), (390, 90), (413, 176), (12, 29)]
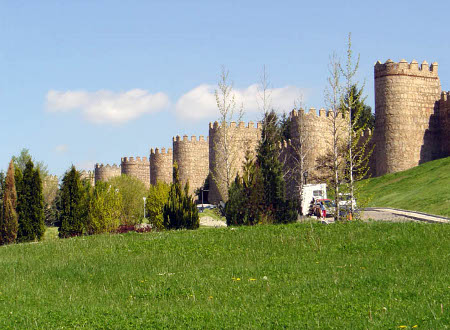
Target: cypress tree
[(271, 168), (37, 203), (30, 205), (8, 222), (72, 215), (277, 208), (180, 210)]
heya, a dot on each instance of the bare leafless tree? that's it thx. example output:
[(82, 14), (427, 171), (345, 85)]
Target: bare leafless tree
[(225, 146), (333, 96)]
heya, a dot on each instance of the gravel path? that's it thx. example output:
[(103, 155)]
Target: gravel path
[(211, 222)]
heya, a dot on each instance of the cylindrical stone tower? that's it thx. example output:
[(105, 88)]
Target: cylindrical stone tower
[(104, 173), (138, 168), (161, 165), (405, 101), (238, 140), (192, 158)]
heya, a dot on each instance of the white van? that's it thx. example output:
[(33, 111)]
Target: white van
[(310, 192)]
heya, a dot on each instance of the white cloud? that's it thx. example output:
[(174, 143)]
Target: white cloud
[(200, 102), (105, 106), (62, 148)]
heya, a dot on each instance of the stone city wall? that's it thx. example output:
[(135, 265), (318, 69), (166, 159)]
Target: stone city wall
[(405, 123), (106, 172), (192, 157), (89, 176), (236, 140), (315, 132), (137, 167), (161, 165)]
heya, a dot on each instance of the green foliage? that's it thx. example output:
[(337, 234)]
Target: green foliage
[(21, 161), (362, 116), (30, 205), (158, 195), (245, 205), (271, 168), (180, 211), (276, 206), (105, 209), (132, 191), (285, 126), (8, 221), (73, 207)]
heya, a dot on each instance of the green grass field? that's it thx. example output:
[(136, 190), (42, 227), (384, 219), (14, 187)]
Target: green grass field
[(305, 275), (423, 188)]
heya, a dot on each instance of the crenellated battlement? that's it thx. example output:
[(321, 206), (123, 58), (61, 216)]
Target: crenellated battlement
[(106, 172), (242, 125), (134, 160), (163, 151), (107, 166), (390, 68), (311, 113), (138, 167), (194, 139)]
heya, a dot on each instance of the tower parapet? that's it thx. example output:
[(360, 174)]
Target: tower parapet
[(161, 165), (192, 157), (236, 139), (405, 123), (106, 172), (137, 167)]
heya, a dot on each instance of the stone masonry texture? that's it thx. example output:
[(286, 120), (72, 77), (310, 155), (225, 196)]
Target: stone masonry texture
[(161, 165), (106, 172), (405, 121), (237, 139), (192, 157), (137, 167)]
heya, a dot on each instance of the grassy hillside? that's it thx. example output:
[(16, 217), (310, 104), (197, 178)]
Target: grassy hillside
[(307, 275), (423, 188)]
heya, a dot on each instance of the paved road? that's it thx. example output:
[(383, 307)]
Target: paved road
[(397, 215)]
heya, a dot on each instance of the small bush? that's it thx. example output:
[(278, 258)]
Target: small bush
[(105, 208), (158, 195)]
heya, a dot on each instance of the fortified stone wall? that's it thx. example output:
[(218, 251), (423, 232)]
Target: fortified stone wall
[(192, 157), (444, 118), (236, 139), (406, 132), (161, 165), (89, 176), (315, 132), (137, 167), (106, 172)]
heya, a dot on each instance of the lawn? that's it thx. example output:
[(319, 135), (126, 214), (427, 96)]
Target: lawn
[(423, 188), (304, 275)]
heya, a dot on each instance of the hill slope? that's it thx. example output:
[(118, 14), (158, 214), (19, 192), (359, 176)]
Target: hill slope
[(424, 188)]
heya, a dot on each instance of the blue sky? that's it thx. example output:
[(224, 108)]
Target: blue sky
[(92, 81)]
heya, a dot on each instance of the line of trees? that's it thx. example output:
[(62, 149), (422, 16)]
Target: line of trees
[(22, 204)]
